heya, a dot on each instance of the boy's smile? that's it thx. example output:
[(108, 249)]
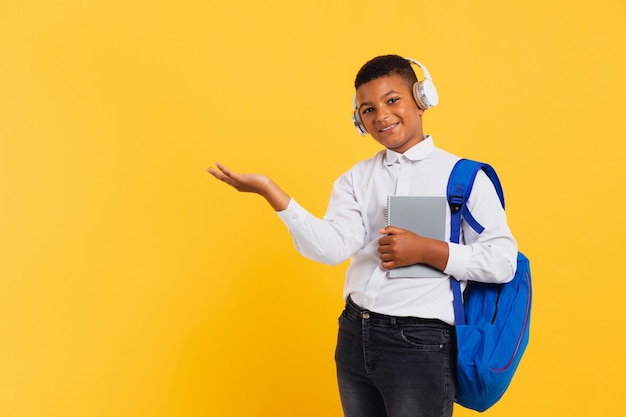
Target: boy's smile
[(389, 112)]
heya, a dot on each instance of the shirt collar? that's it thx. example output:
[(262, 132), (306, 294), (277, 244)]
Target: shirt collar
[(417, 152)]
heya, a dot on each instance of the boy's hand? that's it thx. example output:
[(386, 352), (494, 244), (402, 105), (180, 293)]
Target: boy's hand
[(250, 183), (400, 247), (253, 183)]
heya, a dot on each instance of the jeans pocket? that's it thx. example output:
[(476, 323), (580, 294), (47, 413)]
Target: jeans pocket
[(424, 338)]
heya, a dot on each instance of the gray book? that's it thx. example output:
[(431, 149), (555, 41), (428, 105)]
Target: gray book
[(425, 216)]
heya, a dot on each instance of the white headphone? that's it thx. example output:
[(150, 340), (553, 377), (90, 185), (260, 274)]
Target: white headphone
[(424, 93)]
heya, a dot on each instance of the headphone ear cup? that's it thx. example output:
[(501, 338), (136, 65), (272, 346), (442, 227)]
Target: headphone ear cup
[(356, 118), (425, 94), (358, 123)]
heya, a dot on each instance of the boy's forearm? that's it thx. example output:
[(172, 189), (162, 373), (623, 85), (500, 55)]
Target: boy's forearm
[(275, 196), (436, 255)]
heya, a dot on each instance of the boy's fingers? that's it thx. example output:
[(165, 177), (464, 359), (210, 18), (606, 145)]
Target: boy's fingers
[(223, 173), (225, 170), (217, 174), (392, 230), (214, 172)]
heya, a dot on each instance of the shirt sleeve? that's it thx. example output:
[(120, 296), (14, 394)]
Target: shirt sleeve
[(490, 256), (333, 238)]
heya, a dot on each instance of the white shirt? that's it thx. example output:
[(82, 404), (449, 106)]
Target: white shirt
[(356, 213)]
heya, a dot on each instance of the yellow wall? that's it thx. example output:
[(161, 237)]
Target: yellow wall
[(133, 284)]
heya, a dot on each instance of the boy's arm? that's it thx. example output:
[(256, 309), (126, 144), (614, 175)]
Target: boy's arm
[(253, 183), (328, 241), (490, 256)]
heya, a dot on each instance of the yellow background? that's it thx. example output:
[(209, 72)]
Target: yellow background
[(133, 284)]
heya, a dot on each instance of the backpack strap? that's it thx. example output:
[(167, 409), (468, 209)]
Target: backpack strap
[(459, 189)]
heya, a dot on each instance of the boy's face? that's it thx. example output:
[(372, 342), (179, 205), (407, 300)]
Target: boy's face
[(389, 113)]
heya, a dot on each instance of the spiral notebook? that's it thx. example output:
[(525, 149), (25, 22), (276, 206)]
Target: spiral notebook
[(425, 216)]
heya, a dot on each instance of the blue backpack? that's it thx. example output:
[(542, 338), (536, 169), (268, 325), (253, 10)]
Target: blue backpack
[(492, 324)]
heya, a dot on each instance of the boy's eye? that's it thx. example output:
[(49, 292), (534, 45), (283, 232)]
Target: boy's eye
[(367, 110), (393, 100)]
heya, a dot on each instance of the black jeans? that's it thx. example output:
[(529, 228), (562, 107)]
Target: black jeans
[(394, 366)]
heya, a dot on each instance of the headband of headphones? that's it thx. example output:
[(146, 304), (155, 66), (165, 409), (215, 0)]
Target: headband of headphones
[(424, 93)]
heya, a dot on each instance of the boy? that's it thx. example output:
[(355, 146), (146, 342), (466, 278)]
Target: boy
[(396, 347)]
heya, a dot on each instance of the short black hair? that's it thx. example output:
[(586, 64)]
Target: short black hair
[(385, 65)]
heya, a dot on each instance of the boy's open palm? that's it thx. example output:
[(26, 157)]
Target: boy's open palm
[(253, 183), (250, 183)]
